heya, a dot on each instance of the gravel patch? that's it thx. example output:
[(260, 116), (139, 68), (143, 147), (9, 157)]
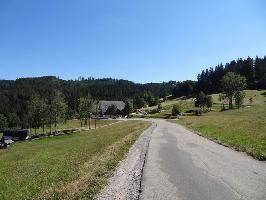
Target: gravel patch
[(126, 182)]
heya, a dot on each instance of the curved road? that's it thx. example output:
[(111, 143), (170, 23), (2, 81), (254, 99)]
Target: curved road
[(184, 166)]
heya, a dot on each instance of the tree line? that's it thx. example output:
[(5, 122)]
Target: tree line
[(209, 81), (254, 70), (19, 97)]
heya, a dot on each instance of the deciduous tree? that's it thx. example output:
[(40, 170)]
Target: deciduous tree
[(233, 83)]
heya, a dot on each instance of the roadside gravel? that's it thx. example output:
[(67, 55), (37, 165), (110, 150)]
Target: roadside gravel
[(126, 182)]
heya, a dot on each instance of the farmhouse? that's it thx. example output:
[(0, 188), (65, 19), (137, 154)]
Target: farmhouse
[(104, 105)]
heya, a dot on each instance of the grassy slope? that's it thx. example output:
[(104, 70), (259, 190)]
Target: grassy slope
[(243, 129), (167, 108), (68, 166)]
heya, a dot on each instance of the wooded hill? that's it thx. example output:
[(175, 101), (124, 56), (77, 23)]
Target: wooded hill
[(16, 94)]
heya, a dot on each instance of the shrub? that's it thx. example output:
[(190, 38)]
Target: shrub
[(176, 110)]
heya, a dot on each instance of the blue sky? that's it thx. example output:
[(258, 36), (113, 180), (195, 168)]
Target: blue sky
[(138, 40)]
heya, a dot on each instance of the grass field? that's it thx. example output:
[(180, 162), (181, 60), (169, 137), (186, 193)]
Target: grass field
[(243, 129), (73, 166)]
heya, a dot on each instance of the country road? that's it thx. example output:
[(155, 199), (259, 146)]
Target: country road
[(182, 165), (168, 162)]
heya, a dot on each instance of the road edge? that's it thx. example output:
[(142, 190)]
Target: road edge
[(126, 181)]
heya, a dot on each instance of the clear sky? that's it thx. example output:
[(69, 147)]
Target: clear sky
[(138, 40)]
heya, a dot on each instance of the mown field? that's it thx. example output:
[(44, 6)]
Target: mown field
[(72, 166), (242, 129)]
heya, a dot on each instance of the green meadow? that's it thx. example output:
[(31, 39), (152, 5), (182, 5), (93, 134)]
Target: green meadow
[(74, 166)]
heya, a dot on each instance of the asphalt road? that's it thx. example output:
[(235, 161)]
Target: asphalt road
[(182, 165)]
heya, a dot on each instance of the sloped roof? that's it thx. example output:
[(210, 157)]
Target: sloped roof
[(103, 105)]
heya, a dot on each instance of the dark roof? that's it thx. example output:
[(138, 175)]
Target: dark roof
[(103, 105)]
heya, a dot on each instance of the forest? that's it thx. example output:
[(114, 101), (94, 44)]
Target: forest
[(16, 95), (209, 80)]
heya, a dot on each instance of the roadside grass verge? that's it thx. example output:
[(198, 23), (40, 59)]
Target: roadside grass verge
[(76, 166), (242, 129)]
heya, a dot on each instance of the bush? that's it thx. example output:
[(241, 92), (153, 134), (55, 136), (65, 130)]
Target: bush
[(176, 110)]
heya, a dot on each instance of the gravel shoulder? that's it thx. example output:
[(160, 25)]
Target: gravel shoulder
[(126, 182)]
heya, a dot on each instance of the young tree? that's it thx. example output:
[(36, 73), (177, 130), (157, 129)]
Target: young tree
[(37, 112), (139, 102), (232, 83), (176, 110), (85, 110), (209, 101), (3, 122), (200, 100), (44, 114), (239, 98), (152, 101), (128, 107), (89, 109), (57, 109), (81, 110)]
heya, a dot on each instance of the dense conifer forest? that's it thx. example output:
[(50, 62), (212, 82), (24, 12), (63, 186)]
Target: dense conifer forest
[(15, 95)]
